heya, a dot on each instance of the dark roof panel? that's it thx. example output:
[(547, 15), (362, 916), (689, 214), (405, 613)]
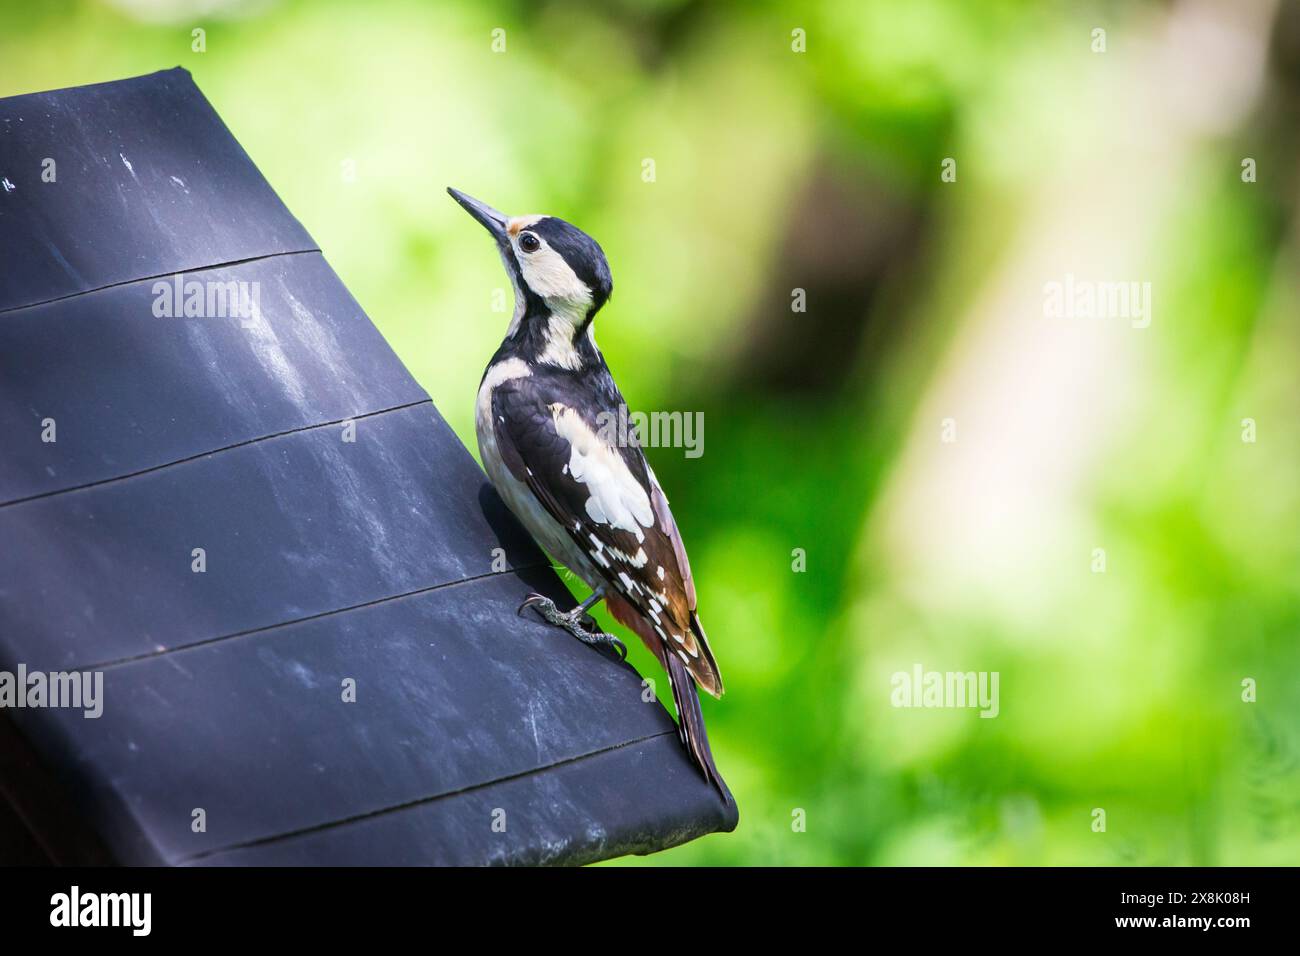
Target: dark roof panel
[(577, 812), (289, 526), (452, 692), (379, 555), (147, 181), (128, 390)]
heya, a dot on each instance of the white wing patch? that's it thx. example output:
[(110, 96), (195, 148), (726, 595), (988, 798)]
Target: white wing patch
[(617, 498)]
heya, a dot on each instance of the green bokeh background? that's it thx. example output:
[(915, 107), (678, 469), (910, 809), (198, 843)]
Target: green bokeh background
[(775, 170)]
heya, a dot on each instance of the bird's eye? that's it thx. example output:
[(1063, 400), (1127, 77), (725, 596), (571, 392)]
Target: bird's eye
[(529, 243)]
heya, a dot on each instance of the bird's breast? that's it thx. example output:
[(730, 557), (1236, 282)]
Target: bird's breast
[(519, 498)]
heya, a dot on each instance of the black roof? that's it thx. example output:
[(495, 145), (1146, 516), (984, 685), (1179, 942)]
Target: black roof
[(326, 560)]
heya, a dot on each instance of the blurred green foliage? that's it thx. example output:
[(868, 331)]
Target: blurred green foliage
[(777, 169)]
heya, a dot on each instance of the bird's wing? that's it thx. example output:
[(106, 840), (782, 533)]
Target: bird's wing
[(603, 493)]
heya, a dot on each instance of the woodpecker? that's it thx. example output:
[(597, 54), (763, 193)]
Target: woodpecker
[(587, 496)]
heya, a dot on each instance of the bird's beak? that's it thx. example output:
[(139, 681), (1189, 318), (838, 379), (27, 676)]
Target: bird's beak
[(492, 220)]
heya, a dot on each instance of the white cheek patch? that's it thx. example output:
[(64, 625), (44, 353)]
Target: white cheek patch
[(553, 279), (567, 296), (617, 499)]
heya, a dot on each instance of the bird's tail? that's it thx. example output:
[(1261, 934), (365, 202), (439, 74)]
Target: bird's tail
[(690, 723), (690, 719)]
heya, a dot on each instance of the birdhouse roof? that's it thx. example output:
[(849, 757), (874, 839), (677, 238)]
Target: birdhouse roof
[(222, 491)]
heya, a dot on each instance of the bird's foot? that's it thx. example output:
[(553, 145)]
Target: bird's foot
[(578, 623)]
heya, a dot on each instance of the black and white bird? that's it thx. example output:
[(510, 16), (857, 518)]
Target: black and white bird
[(587, 496)]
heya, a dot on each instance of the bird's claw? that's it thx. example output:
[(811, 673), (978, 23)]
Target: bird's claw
[(601, 639), (573, 621), (530, 601)]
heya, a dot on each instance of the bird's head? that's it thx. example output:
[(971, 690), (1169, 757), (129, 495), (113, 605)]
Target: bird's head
[(550, 262)]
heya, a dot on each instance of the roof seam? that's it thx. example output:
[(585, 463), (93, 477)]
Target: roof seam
[(161, 275), (248, 632), (355, 818), (214, 451)]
